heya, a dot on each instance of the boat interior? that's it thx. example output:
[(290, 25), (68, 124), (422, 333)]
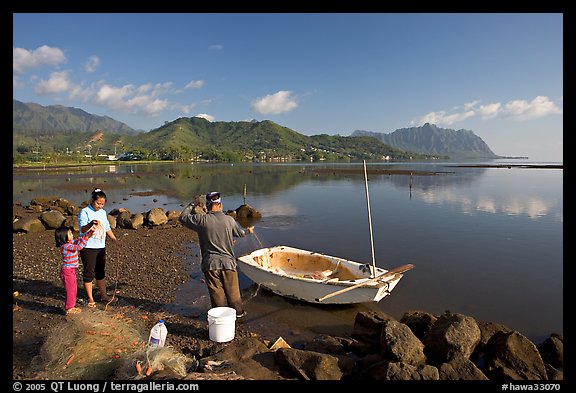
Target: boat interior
[(307, 265)]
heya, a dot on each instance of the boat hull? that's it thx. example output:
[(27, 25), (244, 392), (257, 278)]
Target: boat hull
[(310, 276)]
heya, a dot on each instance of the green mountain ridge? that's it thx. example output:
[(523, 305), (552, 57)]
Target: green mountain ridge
[(54, 131), (256, 140), (31, 117)]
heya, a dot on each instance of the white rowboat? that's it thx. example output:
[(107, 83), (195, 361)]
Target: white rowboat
[(318, 278)]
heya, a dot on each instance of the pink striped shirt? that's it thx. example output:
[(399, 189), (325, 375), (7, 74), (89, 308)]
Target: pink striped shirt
[(70, 251)]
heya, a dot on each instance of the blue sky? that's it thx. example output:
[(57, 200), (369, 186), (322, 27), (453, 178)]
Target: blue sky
[(497, 74)]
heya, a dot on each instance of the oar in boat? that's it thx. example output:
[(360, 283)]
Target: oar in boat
[(397, 270)]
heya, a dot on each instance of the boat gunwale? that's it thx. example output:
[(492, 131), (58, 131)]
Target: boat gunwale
[(248, 259)]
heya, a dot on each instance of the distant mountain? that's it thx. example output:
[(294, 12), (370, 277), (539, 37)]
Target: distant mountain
[(32, 118), (57, 130), (429, 139)]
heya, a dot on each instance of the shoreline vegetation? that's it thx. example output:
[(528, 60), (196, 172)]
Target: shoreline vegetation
[(509, 166), (372, 171)]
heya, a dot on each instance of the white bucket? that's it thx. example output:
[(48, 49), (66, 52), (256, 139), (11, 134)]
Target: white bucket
[(221, 324)]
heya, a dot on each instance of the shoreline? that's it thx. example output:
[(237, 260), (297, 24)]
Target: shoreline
[(510, 166), (145, 270)]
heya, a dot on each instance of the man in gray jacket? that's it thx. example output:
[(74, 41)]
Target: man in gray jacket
[(216, 232)]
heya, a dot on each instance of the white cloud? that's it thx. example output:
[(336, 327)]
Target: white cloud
[(155, 107), (130, 99), (92, 63), (520, 110), (24, 60), (445, 119), (274, 104), (538, 107), (154, 89), (145, 99), (205, 116), (216, 47), (57, 83), (489, 111), (194, 84), (470, 105), (110, 95)]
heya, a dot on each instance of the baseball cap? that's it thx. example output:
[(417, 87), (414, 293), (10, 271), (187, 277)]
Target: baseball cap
[(213, 197)]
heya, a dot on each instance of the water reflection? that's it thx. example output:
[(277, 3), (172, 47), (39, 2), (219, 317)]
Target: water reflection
[(479, 238), (171, 185), (535, 207)]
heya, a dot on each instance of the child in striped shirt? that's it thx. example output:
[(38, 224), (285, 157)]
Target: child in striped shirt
[(69, 248)]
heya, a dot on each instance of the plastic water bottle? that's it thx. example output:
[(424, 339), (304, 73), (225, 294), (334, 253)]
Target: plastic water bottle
[(158, 335)]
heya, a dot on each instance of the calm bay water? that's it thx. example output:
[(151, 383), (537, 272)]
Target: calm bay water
[(485, 242)]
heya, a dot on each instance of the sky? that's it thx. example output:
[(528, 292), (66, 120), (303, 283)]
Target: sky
[(499, 75)]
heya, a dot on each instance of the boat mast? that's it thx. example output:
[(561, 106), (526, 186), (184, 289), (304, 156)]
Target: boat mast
[(373, 272)]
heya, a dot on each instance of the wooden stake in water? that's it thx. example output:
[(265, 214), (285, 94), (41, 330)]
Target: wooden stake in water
[(410, 185), (373, 272), (244, 193)]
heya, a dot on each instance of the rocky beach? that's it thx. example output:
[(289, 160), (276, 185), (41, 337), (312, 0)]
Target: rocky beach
[(147, 266)]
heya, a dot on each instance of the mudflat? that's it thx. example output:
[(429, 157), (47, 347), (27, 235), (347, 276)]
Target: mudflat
[(144, 270)]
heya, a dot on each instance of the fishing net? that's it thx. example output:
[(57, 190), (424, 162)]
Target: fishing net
[(98, 345), (144, 362)]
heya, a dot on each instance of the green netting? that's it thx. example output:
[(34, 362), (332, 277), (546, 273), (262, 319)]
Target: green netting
[(97, 345)]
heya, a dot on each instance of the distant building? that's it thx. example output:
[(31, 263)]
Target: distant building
[(108, 157)]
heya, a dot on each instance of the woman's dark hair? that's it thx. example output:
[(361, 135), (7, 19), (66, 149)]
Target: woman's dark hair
[(61, 235), (98, 193)]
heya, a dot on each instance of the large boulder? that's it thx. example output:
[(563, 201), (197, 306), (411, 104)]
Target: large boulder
[(52, 219), (552, 350), (451, 335), (399, 344), (308, 365), (512, 357), (156, 216), (29, 224)]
